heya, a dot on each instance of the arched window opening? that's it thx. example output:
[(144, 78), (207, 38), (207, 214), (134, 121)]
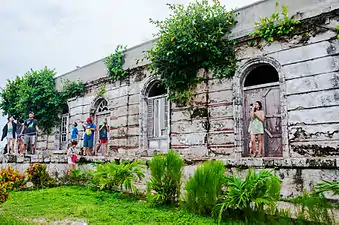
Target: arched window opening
[(102, 106), (100, 112), (157, 110), (262, 74), (157, 89)]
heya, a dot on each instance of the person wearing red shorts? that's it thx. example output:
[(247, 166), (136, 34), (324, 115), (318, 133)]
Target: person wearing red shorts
[(103, 136)]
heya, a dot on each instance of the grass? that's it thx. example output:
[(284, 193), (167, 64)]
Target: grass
[(82, 204)]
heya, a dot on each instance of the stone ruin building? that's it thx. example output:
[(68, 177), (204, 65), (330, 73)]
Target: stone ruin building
[(297, 81)]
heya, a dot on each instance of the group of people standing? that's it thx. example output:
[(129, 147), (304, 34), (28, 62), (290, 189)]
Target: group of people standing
[(20, 135), (88, 140)]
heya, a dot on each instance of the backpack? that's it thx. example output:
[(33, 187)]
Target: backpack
[(88, 132)]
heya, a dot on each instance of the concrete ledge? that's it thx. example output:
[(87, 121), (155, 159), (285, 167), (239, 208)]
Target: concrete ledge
[(282, 163)]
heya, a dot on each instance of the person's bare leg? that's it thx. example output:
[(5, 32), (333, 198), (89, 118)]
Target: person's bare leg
[(260, 143), (13, 145), (21, 148), (98, 147), (33, 149), (8, 145), (106, 149), (253, 144), (25, 148)]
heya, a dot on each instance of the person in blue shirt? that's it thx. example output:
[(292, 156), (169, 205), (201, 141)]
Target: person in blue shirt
[(89, 129), (74, 132)]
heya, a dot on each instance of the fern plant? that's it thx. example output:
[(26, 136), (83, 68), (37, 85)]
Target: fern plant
[(257, 190), (328, 186), (314, 207), (113, 176), (166, 178), (203, 189)]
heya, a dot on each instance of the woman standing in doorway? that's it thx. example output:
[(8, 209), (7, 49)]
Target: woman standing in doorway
[(257, 127)]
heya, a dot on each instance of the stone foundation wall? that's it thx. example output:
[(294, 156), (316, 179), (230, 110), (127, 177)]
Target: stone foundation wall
[(297, 174)]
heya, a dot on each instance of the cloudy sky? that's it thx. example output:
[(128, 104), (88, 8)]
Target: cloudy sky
[(63, 34)]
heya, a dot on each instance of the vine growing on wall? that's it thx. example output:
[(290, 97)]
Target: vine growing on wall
[(102, 90), (192, 38), (35, 91), (115, 62), (278, 24), (71, 89), (337, 29)]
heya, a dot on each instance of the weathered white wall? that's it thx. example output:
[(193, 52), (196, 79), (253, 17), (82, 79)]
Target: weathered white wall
[(308, 76)]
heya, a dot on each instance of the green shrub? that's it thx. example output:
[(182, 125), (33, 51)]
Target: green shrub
[(251, 194), (203, 189), (328, 186), (116, 177), (166, 177), (76, 178), (314, 207), (39, 176)]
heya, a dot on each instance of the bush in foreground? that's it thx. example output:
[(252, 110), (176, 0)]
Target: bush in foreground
[(203, 189), (39, 176), (14, 178), (166, 177), (10, 180), (243, 197), (117, 177)]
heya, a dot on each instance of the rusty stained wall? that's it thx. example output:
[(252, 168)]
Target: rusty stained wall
[(310, 72), (123, 103), (309, 83)]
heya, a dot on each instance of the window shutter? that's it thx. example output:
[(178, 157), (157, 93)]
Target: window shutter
[(163, 118), (157, 118), (150, 118)]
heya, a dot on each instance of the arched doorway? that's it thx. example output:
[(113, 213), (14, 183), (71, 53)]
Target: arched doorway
[(101, 112), (262, 84)]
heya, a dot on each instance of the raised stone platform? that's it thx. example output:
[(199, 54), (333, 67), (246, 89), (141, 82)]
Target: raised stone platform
[(297, 174)]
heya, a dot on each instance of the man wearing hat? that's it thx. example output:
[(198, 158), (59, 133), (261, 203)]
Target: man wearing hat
[(89, 129)]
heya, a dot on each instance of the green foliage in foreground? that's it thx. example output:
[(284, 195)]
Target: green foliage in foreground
[(204, 188), (118, 177), (328, 186), (314, 207), (166, 177), (82, 204)]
